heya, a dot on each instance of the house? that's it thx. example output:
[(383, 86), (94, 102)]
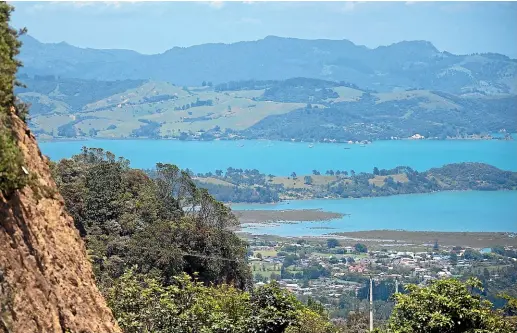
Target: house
[(357, 269), (348, 249), (292, 286)]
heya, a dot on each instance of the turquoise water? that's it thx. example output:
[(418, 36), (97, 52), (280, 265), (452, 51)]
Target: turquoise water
[(442, 211), (282, 158), (446, 211)]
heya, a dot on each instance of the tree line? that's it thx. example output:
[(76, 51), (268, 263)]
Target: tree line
[(253, 186)]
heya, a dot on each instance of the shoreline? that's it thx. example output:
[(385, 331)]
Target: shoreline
[(409, 239), (285, 216), (512, 138), (266, 204), (444, 238)]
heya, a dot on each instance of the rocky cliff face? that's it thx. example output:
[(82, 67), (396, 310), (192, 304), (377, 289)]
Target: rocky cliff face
[(46, 280)]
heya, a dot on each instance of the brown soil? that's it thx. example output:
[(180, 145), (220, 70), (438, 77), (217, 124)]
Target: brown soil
[(46, 280), (472, 239)]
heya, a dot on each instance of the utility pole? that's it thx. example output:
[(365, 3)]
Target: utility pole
[(396, 285), (371, 304)]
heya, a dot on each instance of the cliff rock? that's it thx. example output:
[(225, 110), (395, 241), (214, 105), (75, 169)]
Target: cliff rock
[(46, 281)]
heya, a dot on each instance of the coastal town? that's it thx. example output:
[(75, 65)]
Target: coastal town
[(333, 269)]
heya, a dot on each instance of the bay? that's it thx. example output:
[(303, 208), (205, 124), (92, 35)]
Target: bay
[(282, 158), (480, 211)]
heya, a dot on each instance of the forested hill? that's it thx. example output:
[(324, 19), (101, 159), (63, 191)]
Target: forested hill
[(296, 108), (125, 216), (237, 185), (408, 64)]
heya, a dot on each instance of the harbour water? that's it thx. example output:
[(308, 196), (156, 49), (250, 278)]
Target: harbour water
[(445, 211), (282, 158), (441, 211)]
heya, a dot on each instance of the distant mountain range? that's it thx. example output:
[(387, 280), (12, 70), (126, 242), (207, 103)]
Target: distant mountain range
[(400, 66)]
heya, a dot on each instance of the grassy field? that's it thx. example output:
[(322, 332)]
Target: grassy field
[(317, 180), (432, 100), (347, 94), (266, 253), (212, 180), (235, 110), (299, 182), (379, 180)]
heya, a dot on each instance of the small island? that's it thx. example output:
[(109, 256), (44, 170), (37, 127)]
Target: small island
[(251, 186)]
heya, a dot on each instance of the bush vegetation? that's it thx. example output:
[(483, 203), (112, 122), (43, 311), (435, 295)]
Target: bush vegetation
[(12, 176)]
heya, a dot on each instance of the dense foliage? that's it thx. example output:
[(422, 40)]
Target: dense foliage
[(240, 186), (373, 119), (226, 193), (149, 129), (12, 176), (253, 186), (164, 225), (300, 90), (77, 93), (143, 304), (446, 306)]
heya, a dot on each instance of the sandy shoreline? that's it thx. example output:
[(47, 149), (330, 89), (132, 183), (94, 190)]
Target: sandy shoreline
[(295, 215), (404, 240), (471, 239)]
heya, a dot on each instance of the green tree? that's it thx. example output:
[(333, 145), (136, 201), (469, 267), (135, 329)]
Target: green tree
[(128, 218), (316, 306), (332, 243), (142, 304), (361, 248), (445, 306), (499, 250), (376, 171), (12, 176), (486, 273), (436, 246), (333, 260), (308, 180), (293, 174), (453, 259), (273, 309), (471, 254), (289, 260)]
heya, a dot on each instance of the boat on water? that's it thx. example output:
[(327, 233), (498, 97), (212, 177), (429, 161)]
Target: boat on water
[(311, 146), (347, 148)]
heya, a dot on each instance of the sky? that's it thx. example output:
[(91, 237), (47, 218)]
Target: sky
[(154, 27)]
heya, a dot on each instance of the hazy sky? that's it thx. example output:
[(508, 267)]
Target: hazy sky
[(461, 27)]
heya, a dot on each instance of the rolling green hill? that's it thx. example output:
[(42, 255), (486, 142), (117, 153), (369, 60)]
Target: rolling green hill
[(237, 185), (298, 108)]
